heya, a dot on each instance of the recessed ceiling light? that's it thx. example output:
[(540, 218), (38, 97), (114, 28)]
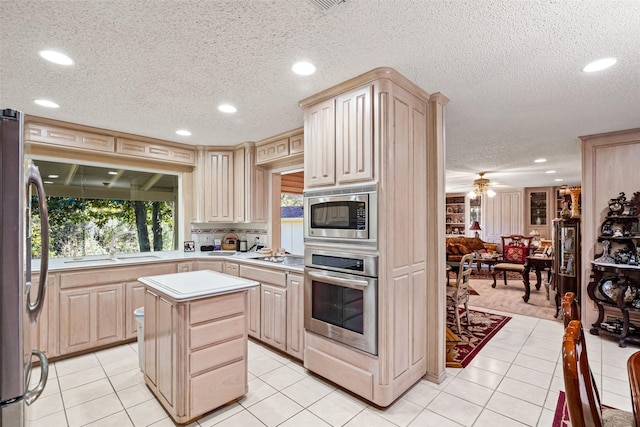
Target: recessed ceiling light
[(558, 179), (183, 132), (53, 176), (550, 172), (112, 173), (46, 103), (303, 68), (56, 57), (48, 182), (598, 65), (227, 108), (539, 160)]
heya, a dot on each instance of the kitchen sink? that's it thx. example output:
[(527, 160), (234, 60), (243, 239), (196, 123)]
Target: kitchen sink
[(91, 260), (139, 257), (222, 253), (284, 260)]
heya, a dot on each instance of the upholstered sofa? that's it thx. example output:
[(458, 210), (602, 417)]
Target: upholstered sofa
[(457, 247)]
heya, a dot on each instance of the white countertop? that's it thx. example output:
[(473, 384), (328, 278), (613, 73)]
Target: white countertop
[(102, 261), (196, 284)]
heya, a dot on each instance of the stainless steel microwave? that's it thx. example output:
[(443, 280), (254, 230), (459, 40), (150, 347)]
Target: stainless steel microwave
[(341, 214)]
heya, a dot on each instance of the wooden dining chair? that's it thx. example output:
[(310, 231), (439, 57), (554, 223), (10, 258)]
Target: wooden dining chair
[(570, 309), (633, 371), (583, 401), (458, 293)]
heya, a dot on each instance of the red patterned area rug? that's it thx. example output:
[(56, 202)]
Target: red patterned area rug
[(483, 327), (561, 416)]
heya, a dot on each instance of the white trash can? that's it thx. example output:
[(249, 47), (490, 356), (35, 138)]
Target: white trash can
[(139, 314)]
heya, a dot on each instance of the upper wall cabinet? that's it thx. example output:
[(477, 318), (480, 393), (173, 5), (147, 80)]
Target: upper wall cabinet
[(250, 186), (339, 140), (285, 146), (47, 133), (165, 152), (218, 189), (68, 138)]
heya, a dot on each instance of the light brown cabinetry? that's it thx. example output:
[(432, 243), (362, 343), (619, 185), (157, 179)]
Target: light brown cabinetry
[(274, 316), (276, 308), (231, 268), (94, 307), (45, 327), (91, 317), (218, 188), (249, 186), (195, 352), (295, 315), (134, 298), (380, 127), (320, 151), (169, 153), (68, 138), (285, 146), (213, 265), (339, 140), (182, 267), (354, 143)]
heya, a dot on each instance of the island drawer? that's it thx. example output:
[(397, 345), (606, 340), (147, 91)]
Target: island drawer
[(216, 355), (217, 387), (217, 308), (214, 332)]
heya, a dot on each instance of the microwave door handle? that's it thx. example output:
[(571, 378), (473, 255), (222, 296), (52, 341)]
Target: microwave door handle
[(348, 283), (34, 308)]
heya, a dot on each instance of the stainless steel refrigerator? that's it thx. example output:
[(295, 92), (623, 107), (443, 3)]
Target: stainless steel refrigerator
[(20, 301)]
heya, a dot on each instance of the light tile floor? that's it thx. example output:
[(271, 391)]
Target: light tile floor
[(514, 381)]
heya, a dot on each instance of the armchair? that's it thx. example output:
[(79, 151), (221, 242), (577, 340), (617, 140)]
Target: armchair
[(515, 250)]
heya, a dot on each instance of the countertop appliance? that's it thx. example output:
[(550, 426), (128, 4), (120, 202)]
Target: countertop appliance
[(347, 214), (20, 302), (341, 297)]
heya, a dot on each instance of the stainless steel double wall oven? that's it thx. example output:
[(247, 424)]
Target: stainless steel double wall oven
[(341, 266)]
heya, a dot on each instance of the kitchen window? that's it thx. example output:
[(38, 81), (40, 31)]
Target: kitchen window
[(94, 210)]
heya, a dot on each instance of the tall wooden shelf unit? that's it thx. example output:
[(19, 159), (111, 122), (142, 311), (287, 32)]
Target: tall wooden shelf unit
[(455, 216)]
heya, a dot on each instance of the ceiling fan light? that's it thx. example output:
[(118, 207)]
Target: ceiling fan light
[(491, 193), (472, 195)]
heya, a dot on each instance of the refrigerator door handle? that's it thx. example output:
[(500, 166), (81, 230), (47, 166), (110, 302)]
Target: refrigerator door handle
[(31, 396), (34, 308)]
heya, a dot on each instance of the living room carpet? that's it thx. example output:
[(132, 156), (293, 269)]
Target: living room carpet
[(509, 298), (473, 337)]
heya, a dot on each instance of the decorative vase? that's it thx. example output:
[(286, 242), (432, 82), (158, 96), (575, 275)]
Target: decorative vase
[(575, 204), (565, 213)]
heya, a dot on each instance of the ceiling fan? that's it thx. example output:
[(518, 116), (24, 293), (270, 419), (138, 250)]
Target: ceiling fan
[(481, 187)]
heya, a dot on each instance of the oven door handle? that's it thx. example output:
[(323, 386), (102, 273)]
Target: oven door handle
[(348, 283)]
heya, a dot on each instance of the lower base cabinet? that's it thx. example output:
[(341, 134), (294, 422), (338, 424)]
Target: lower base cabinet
[(91, 317), (295, 315), (273, 317), (195, 352)]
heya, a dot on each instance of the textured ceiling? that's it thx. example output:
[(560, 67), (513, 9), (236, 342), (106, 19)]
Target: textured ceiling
[(510, 68)]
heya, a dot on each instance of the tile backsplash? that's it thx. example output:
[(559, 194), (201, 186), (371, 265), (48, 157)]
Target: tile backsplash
[(205, 234)]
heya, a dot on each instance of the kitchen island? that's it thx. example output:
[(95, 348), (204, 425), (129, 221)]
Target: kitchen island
[(195, 340)]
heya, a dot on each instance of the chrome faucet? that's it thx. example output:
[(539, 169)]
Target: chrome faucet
[(112, 245)]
